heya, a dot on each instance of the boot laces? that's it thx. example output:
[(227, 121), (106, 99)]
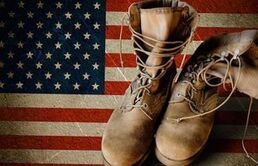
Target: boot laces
[(204, 75), (144, 78)]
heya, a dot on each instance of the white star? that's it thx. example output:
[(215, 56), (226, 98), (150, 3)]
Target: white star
[(39, 44), (48, 75), (67, 55), (58, 25), (58, 45), (68, 15), (11, 14), (20, 24), (10, 54), (39, 25), (40, 5), (30, 14), (95, 86), (77, 25), (1, 44), (30, 35), (95, 66), (29, 55), (48, 55), (49, 14), (86, 35), (1, 84), (19, 85), (87, 16), (76, 86), (96, 25), (2, 24), (20, 44), (38, 85), (39, 65), (29, 75), (76, 66), (49, 35), (67, 76), (96, 5), (21, 4), (68, 35), (11, 34), (86, 56), (86, 76), (78, 5), (57, 85), (96, 46), (19, 65), (59, 5), (10, 75), (77, 45), (58, 65)]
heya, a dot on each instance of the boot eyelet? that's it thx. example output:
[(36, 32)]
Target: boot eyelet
[(236, 51), (139, 81), (223, 53), (149, 81), (145, 105)]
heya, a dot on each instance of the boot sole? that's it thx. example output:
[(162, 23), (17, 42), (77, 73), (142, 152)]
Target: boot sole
[(140, 162), (170, 162)]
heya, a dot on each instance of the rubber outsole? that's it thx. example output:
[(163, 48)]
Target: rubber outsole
[(138, 163), (170, 162)]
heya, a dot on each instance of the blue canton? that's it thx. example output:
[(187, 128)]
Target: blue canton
[(52, 46)]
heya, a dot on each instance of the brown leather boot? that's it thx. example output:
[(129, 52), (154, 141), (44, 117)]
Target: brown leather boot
[(160, 30), (189, 117), (245, 72)]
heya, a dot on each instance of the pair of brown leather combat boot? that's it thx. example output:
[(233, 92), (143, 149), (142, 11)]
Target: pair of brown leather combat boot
[(175, 113)]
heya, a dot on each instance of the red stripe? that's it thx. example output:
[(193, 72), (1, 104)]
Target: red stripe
[(113, 60), (202, 33), (94, 143), (100, 116), (55, 114), (232, 146), (119, 87), (223, 92), (50, 142), (202, 6), (235, 118), (116, 87)]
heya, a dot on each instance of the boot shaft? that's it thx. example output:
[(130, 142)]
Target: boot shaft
[(160, 29)]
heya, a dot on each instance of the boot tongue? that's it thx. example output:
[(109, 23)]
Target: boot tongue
[(159, 24)]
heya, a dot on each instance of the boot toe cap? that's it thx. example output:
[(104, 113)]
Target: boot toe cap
[(118, 154), (181, 142), (175, 148)]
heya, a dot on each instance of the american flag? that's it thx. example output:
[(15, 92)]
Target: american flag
[(61, 78)]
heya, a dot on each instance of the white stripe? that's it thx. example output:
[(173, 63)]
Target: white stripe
[(120, 74), (95, 157), (233, 132), (59, 101), (51, 128), (206, 20), (51, 156), (96, 129), (112, 46), (90, 101)]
